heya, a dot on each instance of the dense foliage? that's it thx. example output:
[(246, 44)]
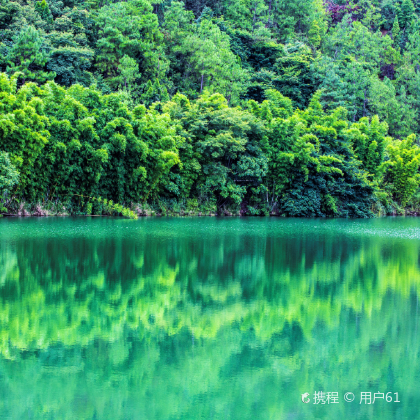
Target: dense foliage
[(299, 108)]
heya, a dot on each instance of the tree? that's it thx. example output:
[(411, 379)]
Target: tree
[(314, 34), (44, 11), (154, 92), (28, 56), (23, 128), (211, 58), (396, 31), (336, 92), (408, 77), (70, 64), (393, 107), (402, 169), (70, 57), (129, 29), (201, 57), (246, 14), (369, 142), (293, 17), (129, 70), (406, 13), (294, 74), (221, 149), (312, 167), (9, 177)]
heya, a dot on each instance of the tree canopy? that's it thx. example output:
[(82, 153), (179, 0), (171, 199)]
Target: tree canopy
[(235, 106)]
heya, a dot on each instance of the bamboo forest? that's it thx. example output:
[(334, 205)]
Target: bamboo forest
[(209, 209)]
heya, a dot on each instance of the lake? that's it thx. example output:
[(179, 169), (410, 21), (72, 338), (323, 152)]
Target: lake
[(209, 318)]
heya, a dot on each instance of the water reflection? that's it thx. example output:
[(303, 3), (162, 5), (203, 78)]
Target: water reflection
[(207, 318)]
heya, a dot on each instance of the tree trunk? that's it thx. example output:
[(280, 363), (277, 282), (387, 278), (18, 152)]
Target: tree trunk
[(269, 13), (365, 101)]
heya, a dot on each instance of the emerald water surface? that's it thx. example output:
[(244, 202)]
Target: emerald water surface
[(205, 318)]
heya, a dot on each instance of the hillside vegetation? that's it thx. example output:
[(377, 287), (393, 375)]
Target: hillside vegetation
[(295, 108)]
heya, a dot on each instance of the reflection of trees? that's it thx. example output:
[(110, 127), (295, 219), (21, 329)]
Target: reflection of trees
[(72, 290), (211, 326)]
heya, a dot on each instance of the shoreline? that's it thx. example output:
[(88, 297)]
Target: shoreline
[(413, 214), (161, 209)]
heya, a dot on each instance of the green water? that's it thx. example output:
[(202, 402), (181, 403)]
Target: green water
[(205, 318)]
